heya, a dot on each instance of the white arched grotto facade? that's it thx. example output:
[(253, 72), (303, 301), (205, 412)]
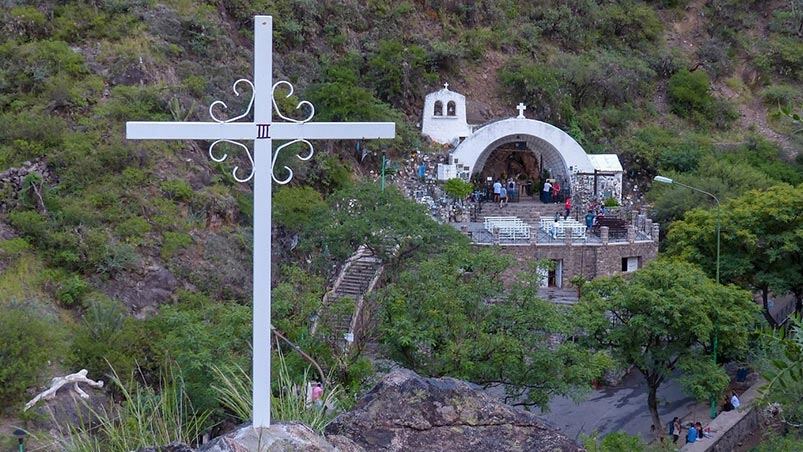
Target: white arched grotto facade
[(558, 153), (444, 121), (561, 154)]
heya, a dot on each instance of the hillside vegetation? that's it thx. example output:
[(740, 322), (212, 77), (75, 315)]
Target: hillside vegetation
[(137, 254)]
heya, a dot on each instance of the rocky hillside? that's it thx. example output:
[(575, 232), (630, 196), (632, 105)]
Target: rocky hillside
[(137, 254)]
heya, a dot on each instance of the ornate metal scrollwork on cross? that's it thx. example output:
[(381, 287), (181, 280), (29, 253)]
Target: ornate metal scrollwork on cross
[(264, 128), (223, 104), (287, 168), (298, 107)]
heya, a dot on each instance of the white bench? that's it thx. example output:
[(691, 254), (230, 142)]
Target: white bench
[(507, 228), (558, 230)]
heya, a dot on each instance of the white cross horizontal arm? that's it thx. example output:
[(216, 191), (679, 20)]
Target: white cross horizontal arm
[(332, 130), (249, 131)]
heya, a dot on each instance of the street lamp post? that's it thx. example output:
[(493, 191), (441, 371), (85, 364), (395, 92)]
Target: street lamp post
[(666, 180)]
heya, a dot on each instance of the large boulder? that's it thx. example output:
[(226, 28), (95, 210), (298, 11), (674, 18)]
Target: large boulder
[(407, 412), (280, 437)]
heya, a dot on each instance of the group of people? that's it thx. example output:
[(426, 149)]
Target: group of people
[(695, 430), (551, 191), (502, 192)]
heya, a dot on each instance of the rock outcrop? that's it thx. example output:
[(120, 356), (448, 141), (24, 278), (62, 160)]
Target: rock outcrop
[(12, 182), (291, 436), (407, 412)]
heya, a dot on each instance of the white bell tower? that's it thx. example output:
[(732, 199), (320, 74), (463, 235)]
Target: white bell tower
[(444, 116)]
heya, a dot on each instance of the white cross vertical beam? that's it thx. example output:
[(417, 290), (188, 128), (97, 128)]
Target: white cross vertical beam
[(262, 131), (263, 185)]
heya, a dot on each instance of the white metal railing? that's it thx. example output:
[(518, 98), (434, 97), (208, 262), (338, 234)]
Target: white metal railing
[(559, 229), (507, 228)]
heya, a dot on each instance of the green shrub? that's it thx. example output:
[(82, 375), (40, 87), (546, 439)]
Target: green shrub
[(786, 56), (117, 257), (613, 442), (634, 24), (477, 40), (195, 85), (298, 208), (68, 288), (26, 22), (27, 342), (133, 177), (395, 69), (133, 230), (134, 103), (197, 333), (30, 223), (540, 86), (143, 418), (107, 340), (690, 92), (611, 202), (173, 242), (780, 95), (177, 189), (573, 25), (13, 247), (30, 64)]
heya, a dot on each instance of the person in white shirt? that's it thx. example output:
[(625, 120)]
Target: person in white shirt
[(735, 400), (497, 190), (547, 193)]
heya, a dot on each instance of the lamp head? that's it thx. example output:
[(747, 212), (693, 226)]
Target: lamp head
[(663, 180)]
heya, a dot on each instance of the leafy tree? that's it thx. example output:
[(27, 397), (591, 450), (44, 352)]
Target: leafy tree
[(762, 241), (457, 189), (390, 224), (450, 316), (664, 318), (715, 175)]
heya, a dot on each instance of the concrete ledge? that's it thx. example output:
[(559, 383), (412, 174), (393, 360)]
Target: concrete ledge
[(730, 428)]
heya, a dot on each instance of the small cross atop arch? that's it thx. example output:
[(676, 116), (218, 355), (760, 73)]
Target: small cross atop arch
[(521, 107)]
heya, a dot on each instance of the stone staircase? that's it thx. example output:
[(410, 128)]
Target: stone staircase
[(527, 211), (356, 279)]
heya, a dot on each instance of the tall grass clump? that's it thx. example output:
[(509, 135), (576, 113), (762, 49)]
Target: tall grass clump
[(288, 401), (146, 417)]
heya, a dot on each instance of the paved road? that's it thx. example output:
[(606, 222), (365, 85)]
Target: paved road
[(622, 408)]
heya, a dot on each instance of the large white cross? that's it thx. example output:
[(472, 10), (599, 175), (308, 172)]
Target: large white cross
[(262, 131)]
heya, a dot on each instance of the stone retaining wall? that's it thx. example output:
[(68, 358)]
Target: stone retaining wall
[(582, 259), (732, 428)]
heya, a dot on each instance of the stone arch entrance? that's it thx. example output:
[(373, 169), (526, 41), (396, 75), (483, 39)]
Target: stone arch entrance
[(554, 148)]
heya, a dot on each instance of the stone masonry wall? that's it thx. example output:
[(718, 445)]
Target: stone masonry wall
[(587, 260)]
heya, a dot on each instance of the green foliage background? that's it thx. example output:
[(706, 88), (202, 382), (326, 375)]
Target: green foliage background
[(71, 74)]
